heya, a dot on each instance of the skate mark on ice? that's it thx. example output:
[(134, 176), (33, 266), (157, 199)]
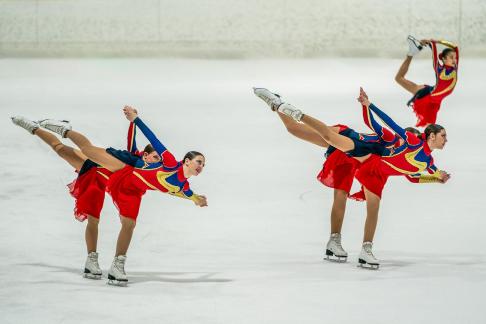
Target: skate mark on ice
[(302, 195)]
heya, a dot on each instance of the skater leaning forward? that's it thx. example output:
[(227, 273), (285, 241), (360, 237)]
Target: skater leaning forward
[(387, 149), (426, 100), (128, 183), (88, 189)]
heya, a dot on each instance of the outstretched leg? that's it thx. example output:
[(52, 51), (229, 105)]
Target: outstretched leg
[(400, 77), (304, 132), (67, 153), (94, 153)]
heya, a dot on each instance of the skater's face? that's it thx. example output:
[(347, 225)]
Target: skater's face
[(450, 59), (438, 140), (151, 157), (196, 165)]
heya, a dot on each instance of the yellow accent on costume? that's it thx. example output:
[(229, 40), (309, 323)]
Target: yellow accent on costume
[(104, 175), (445, 77), (138, 175), (447, 43), (162, 178), (410, 157), (181, 194)]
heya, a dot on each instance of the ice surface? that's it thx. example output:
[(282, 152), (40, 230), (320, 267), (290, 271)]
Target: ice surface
[(255, 254)]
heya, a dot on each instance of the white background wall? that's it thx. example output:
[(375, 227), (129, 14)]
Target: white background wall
[(235, 28)]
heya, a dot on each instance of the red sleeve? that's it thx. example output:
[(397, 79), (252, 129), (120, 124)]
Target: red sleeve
[(435, 57), (169, 160)]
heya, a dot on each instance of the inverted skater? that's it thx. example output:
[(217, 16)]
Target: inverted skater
[(426, 100)]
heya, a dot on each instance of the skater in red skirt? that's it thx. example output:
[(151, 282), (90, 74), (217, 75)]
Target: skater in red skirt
[(88, 189), (426, 100), (129, 182), (410, 156)]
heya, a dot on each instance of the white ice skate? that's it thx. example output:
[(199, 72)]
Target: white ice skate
[(60, 127), (366, 258), (272, 99), (91, 267), (117, 275), (291, 111), (414, 46), (27, 124), (334, 249)]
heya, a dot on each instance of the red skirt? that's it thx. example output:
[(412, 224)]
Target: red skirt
[(88, 190), (371, 177), (338, 171), (426, 110), (126, 195)]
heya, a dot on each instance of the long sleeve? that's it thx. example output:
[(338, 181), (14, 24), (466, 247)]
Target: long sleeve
[(168, 159), (131, 143), (186, 193), (386, 137), (435, 56), (422, 178), (377, 128)]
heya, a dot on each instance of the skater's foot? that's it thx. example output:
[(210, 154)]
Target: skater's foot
[(291, 111), (117, 275), (60, 127), (414, 46), (272, 99), (334, 249), (27, 124), (92, 269), (366, 258)]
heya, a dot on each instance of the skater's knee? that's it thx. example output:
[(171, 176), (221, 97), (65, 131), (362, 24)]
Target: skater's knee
[(93, 221), (127, 223), (58, 148)]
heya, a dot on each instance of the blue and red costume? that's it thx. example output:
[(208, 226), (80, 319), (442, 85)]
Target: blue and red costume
[(128, 185), (339, 169), (410, 158), (426, 102), (88, 189)]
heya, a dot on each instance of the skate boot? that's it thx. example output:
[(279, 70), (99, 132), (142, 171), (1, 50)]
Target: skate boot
[(366, 258), (272, 99), (60, 127), (27, 124), (334, 249), (92, 268), (291, 111), (117, 275), (414, 46)]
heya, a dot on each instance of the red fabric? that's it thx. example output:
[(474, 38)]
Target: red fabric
[(426, 110), (126, 192), (338, 171), (88, 191), (371, 176)]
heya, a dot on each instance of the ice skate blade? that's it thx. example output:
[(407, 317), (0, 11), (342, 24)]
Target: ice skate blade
[(369, 266), (91, 276), (331, 257), (117, 283)]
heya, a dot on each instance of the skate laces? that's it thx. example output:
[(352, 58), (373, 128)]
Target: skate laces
[(120, 265), (367, 249), (93, 258)]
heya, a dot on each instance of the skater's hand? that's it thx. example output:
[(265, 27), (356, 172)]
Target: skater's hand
[(130, 112), (201, 201), (363, 98), (424, 42), (444, 176)]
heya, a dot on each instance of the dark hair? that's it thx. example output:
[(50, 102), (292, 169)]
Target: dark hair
[(191, 155), (445, 52), (413, 130), (148, 149), (432, 129)]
